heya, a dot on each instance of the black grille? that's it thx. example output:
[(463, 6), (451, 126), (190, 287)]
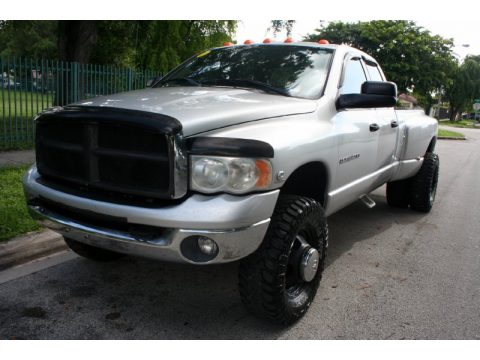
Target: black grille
[(108, 149)]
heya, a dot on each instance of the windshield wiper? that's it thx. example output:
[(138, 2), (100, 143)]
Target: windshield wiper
[(181, 79), (247, 83)]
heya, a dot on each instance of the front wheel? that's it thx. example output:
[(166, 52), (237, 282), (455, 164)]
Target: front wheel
[(279, 280)]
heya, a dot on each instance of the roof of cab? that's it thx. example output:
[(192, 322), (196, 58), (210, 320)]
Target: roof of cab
[(345, 48), (276, 43)]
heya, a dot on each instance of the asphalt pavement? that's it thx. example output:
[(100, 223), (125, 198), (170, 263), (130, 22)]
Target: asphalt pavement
[(391, 274)]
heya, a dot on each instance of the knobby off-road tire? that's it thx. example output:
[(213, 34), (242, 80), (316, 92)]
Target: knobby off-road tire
[(269, 281), (424, 184), (92, 252), (398, 193)]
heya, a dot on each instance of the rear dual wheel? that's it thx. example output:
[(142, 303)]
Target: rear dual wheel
[(418, 191), (423, 187)]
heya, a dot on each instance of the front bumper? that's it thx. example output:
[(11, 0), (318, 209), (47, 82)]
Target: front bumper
[(237, 224)]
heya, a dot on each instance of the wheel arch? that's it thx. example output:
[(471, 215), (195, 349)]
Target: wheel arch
[(309, 180), (431, 145)]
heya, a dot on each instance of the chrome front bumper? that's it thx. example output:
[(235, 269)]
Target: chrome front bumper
[(236, 224)]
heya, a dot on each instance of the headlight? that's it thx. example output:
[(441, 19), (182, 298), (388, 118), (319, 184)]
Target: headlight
[(211, 174)]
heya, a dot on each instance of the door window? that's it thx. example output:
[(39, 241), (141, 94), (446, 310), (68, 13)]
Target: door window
[(353, 78)]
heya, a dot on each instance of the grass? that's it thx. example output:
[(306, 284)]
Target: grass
[(17, 110), (23, 103), (459, 123), (16, 134), (22, 145), (14, 217), (448, 133)]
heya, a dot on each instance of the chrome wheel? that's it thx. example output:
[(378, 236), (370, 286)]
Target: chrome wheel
[(302, 265)]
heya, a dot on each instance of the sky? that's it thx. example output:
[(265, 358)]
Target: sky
[(458, 20), (463, 32)]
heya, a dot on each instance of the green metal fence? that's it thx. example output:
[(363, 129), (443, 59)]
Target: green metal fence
[(28, 86)]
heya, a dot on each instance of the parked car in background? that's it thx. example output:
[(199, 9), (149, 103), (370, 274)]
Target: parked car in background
[(471, 116), (8, 83)]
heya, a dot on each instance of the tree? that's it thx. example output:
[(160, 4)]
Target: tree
[(34, 39), (410, 55), (157, 45), (279, 25), (465, 86), (161, 45), (76, 39)]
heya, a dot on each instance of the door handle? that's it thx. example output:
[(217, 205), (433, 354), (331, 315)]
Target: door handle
[(394, 124), (374, 127)]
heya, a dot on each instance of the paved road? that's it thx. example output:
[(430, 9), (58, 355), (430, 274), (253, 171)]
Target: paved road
[(392, 274)]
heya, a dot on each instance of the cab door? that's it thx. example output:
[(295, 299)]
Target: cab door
[(388, 130), (357, 138)]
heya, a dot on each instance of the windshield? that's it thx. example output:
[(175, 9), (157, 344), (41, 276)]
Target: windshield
[(298, 71)]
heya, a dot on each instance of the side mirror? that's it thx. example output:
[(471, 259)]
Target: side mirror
[(152, 81), (375, 94)]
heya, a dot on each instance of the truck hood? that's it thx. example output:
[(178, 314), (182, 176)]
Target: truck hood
[(202, 109)]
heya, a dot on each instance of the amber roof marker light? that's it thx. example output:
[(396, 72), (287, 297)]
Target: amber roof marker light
[(323, 42), (249, 42), (288, 40)]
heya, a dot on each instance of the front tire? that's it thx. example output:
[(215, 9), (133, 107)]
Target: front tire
[(279, 281), (92, 252)]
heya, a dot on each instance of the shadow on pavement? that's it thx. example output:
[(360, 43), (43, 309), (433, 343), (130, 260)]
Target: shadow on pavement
[(357, 223), (137, 298)]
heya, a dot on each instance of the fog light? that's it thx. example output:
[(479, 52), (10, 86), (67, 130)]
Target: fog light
[(206, 245)]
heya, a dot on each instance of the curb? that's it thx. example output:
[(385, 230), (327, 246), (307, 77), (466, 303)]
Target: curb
[(28, 247), (450, 138)]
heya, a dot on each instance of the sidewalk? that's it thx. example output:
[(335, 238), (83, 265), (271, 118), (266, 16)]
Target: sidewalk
[(29, 247), (17, 158)]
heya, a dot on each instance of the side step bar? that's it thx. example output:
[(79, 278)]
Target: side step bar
[(367, 201)]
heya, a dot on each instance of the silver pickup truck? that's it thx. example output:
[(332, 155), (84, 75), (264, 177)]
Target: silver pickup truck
[(241, 152)]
